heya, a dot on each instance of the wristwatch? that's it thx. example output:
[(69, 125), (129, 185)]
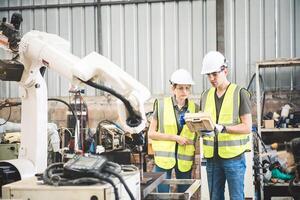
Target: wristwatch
[(224, 130)]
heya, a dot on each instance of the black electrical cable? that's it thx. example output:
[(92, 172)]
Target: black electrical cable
[(108, 180), (7, 117), (260, 78), (263, 106), (133, 120), (53, 175), (116, 167), (251, 80), (8, 104), (263, 144), (48, 172), (69, 106), (121, 180), (264, 95), (262, 89)]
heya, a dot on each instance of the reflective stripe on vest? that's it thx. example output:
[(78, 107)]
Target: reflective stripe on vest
[(164, 151), (229, 145), (164, 154)]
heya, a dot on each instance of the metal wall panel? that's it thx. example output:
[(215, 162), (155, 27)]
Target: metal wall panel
[(65, 24), (143, 40), (166, 40), (258, 30), (151, 40)]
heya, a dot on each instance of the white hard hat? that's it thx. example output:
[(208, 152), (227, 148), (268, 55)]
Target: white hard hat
[(212, 62), (181, 76)]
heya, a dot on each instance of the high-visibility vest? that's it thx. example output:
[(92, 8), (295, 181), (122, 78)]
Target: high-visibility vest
[(229, 145), (164, 151)]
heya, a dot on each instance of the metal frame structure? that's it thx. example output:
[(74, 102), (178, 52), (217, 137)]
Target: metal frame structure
[(293, 62)]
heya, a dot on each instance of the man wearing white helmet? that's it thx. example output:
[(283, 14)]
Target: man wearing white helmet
[(230, 108), (173, 143)]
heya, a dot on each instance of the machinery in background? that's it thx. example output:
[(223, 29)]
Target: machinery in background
[(9, 133), (82, 170), (9, 151), (122, 181), (292, 146), (79, 122), (120, 147), (5, 124), (116, 144), (110, 136), (11, 137), (9, 146), (289, 117), (25, 60)]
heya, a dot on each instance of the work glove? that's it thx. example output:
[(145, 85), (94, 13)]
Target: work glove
[(207, 133), (219, 128)]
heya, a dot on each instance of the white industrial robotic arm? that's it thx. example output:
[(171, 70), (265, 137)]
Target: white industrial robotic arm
[(24, 60), (39, 49)]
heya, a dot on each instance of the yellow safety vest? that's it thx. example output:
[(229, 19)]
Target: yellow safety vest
[(164, 151), (229, 145)]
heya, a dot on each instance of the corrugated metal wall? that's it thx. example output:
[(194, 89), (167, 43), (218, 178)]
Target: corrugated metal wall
[(151, 40), (262, 29)]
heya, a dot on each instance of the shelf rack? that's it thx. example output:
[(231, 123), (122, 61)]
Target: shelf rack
[(266, 190)]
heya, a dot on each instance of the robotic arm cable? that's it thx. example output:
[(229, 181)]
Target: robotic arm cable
[(115, 169), (9, 104), (133, 119), (59, 174)]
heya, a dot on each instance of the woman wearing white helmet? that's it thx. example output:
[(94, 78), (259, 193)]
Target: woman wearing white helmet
[(230, 108), (172, 142)]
